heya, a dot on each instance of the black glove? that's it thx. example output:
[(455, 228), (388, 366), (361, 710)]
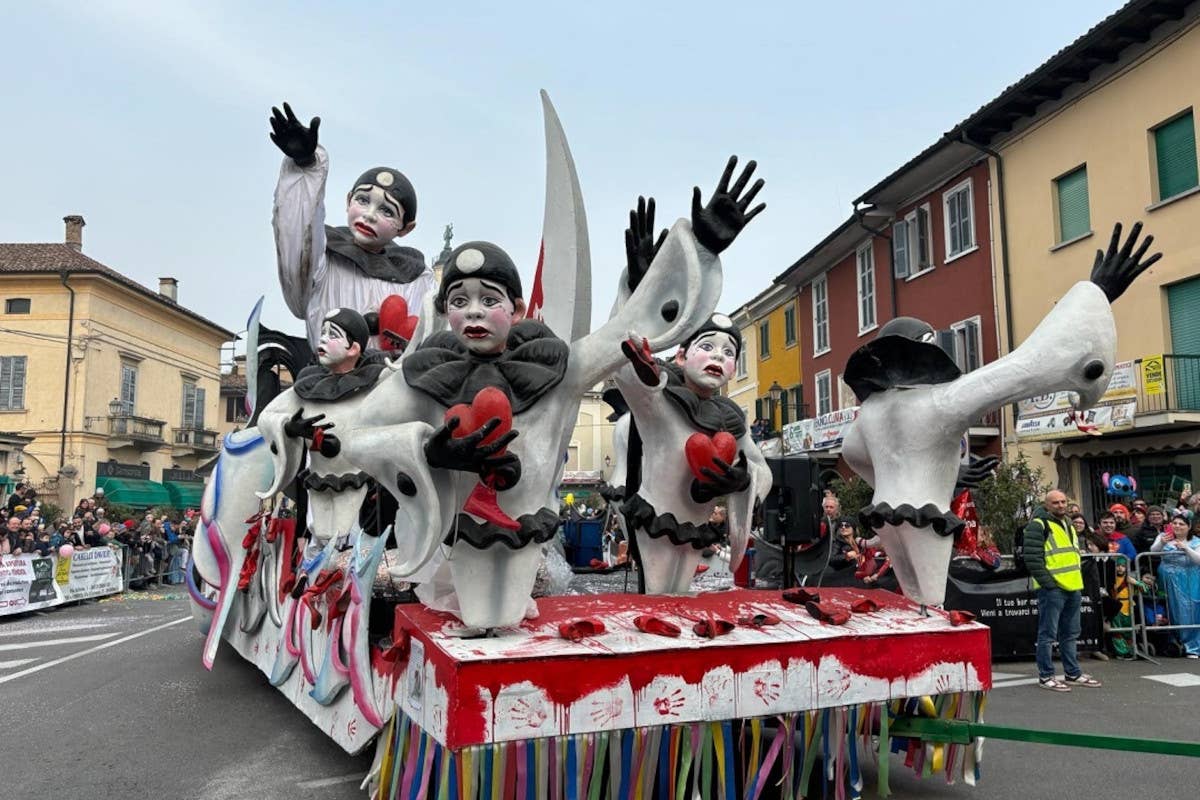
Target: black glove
[(971, 475), (289, 135), (302, 427), (501, 472), (717, 224), (1115, 270), (644, 363), (640, 245), (465, 454), (730, 480)]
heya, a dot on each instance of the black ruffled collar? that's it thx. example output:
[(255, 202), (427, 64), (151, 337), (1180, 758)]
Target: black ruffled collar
[(711, 414), (316, 382), (395, 264), (532, 364)]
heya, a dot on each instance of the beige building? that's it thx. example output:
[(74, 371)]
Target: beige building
[(117, 385), (743, 388)]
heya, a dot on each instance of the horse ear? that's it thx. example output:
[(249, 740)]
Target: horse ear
[(1104, 480)]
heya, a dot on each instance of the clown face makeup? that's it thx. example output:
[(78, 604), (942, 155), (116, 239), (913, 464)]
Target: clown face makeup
[(481, 314), (708, 362), (375, 218), (335, 351)]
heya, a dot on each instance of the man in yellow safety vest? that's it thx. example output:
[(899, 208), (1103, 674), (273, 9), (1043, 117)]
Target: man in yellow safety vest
[(1052, 556)]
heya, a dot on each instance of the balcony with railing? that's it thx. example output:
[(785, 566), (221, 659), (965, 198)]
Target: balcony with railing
[(130, 430), (1173, 389), (195, 440)]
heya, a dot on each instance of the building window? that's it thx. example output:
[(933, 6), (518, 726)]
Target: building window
[(960, 224), (740, 371), (128, 388), (1175, 156), (911, 243), (235, 408), (12, 383), (824, 393), (866, 288), (1071, 193), (16, 305), (820, 302), (789, 325), (764, 339), (193, 406), (963, 344)]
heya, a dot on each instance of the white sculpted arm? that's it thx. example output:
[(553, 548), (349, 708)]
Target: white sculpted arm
[(741, 505), (298, 219), (287, 453)]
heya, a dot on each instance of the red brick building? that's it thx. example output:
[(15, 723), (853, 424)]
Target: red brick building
[(928, 255)]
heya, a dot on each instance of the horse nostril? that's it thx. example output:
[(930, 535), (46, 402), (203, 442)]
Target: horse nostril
[(1093, 370)]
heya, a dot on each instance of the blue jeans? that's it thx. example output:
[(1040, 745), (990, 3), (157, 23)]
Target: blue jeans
[(1058, 620)]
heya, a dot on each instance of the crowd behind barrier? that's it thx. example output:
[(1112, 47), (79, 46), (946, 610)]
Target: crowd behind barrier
[(152, 547)]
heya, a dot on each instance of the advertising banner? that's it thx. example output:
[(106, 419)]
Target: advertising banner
[(1049, 416), (28, 583), (1153, 376), (818, 433)]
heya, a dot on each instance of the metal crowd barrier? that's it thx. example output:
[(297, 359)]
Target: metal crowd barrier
[(1146, 564), (1100, 561)]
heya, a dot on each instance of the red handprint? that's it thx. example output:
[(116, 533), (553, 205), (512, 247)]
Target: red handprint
[(529, 714), (607, 709), (669, 705), (766, 690)]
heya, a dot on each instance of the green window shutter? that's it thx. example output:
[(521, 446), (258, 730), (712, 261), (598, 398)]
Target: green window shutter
[(783, 408), (758, 409), (1074, 219), (1183, 302), (1175, 153)]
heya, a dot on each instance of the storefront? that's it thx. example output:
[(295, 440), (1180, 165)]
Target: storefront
[(130, 484), (185, 487)]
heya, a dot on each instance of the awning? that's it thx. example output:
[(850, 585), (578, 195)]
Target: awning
[(134, 492), (184, 494), (1132, 445)]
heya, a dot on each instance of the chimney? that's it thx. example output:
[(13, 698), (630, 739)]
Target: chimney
[(169, 288), (74, 237)]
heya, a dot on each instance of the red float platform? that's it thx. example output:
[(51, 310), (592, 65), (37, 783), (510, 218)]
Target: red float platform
[(529, 682)]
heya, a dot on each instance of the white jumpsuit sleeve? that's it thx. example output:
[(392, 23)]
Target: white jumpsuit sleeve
[(299, 222)]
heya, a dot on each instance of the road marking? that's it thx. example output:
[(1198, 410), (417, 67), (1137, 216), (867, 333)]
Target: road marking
[(76, 626), (95, 637), (98, 647), (1008, 676), (1176, 679), (321, 783), (1018, 682), (18, 662)]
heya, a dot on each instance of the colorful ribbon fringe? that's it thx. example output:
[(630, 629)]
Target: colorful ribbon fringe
[(729, 760)]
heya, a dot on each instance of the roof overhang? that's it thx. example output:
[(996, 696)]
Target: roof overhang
[(828, 252)]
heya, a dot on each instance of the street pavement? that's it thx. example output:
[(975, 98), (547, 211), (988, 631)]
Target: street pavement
[(109, 700)]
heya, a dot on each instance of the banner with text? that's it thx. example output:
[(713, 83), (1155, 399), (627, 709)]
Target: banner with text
[(818, 433), (1048, 416), (28, 582)]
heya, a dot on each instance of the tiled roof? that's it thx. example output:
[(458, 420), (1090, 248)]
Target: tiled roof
[(55, 258)]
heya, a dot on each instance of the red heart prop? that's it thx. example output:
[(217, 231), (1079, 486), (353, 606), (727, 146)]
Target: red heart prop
[(700, 450), (489, 403), (394, 318)]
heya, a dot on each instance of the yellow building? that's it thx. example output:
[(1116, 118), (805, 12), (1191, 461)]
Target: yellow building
[(116, 384), (1103, 132), (743, 387), (777, 355)]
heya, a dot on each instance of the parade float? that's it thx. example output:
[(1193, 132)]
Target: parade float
[(436, 464)]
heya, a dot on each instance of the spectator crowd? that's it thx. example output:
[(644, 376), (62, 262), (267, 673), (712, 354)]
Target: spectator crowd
[(157, 545)]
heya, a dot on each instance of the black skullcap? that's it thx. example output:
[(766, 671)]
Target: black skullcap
[(482, 260), (395, 185), (353, 324), (717, 323), (903, 353)]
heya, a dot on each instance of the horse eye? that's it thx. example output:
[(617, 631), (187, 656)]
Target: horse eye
[(1093, 370)]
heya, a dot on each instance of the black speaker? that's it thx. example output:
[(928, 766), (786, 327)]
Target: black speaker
[(791, 513)]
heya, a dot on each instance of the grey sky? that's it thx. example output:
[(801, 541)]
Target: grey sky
[(150, 119)]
